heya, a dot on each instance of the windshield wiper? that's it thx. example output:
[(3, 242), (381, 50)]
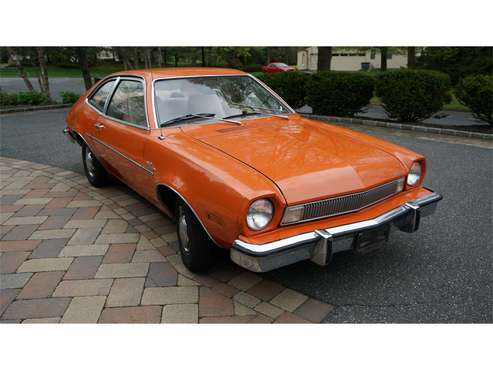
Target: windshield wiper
[(243, 114), (269, 111), (186, 117)]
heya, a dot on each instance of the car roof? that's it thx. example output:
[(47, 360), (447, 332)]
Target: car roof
[(154, 73)]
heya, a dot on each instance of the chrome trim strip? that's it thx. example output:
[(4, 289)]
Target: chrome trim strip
[(337, 198), (110, 96), (213, 75), (337, 231), (189, 206), (123, 156)]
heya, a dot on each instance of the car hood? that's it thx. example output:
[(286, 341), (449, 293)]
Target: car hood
[(307, 160)]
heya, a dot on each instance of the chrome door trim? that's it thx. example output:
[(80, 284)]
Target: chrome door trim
[(189, 206), (212, 75), (150, 172)]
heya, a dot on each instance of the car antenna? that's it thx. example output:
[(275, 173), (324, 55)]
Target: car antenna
[(161, 136)]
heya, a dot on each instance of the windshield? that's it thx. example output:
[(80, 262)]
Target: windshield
[(215, 96)]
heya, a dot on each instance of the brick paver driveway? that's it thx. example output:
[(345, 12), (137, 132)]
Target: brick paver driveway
[(73, 253)]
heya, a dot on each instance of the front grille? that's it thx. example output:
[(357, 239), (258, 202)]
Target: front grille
[(349, 203)]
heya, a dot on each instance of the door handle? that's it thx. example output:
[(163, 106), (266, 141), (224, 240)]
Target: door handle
[(99, 126)]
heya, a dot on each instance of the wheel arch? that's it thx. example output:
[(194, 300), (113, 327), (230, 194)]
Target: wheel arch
[(169, 197)]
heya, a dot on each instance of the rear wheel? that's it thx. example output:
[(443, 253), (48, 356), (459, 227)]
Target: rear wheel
[(196, 248), (95, 172)]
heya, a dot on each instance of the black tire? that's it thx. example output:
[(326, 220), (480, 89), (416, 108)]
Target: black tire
[(95, 172), (196, 248)]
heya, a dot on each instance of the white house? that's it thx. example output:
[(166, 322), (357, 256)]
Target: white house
[(349, 59)]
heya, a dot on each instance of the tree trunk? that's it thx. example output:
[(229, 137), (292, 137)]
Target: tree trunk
[(203, 57), (20, 68), (136, 58), (159, 57), (383, 59), (324, 58), (147, 58), (44, 84), (411, 57), (84, 67), (176, 60)]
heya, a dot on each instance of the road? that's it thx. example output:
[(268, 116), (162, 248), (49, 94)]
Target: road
[(442, 273), (57, 85)]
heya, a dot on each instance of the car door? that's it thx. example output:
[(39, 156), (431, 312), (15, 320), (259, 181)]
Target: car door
[(97, 103), (122, 132)]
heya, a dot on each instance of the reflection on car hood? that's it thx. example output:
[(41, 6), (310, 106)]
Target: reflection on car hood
[(307, 160)]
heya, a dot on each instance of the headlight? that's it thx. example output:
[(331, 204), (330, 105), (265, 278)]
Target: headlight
[(259, 214), (414, 175)]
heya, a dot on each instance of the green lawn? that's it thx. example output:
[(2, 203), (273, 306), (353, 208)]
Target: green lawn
[(60, 71)]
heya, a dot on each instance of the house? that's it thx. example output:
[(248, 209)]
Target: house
[(344, 59)]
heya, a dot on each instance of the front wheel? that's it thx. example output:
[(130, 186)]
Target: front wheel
[(196, 248), (95, 172)]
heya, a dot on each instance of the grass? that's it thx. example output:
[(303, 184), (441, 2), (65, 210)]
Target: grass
[(60, 71)]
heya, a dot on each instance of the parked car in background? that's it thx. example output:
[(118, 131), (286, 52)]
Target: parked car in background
[(237, 168), (276, 67)]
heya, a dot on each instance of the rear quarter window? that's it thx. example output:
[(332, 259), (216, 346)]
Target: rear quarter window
[(98, 99)]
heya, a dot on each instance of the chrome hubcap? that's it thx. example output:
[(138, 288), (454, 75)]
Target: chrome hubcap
[(90, 163), (183, 231)]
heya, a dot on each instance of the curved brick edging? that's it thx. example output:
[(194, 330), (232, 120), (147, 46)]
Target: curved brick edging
[(73, 253), (402, 126), (34, 108)]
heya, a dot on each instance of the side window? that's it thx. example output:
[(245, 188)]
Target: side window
[(98, 100), (128, 103)]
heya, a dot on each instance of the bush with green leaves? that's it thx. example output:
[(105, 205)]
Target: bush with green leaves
[(412, 95), (339, 93), (31, 98), (476, 92), (69, 97), (289, 85), (7, 99)]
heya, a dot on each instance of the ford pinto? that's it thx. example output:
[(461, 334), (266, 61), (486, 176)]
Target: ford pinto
[(225, 157)]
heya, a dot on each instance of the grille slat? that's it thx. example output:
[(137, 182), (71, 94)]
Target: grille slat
[(349, 203)]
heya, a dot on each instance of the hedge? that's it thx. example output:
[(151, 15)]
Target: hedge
[(69, 97), (23, 98), (339, 93), (476, 92), (412, 95), (289, 85)]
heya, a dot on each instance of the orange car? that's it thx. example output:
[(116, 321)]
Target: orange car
[(236, 167)]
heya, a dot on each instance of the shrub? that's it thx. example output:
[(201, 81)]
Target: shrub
[(476, 92), (289, 85), (31, 98), (69, 97), (7, 99), (339, 93), (413, 95)]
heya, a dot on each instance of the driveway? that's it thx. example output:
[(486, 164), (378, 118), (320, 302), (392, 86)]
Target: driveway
[(442, 273)]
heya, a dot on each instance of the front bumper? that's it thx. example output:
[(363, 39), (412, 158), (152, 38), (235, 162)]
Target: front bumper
[(320, 245)]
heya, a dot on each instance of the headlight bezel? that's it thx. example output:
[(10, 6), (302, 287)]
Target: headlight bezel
[(265, 208)]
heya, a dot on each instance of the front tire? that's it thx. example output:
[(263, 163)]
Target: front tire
[(95, 172), (196, 248)]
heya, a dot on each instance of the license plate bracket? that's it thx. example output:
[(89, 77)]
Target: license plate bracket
[(368, 241)]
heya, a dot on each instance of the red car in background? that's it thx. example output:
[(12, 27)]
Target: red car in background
[(276, 67)]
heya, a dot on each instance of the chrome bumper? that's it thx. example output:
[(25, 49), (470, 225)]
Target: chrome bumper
[(320, 245)]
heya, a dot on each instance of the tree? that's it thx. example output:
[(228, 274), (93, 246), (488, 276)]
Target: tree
[(383, 59), (457, 62), (20, 68), (411, 57), (202, 49), (44, 84), (84, 66), (324, 58)]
